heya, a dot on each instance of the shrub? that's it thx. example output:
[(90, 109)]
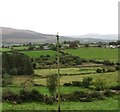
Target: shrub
[(97, 95), (108, 93), (117, 87), (36, 96), (99, 84), (6, 79), (117, 67), (76, 83), (108, 62), (52, 83), (67, 84), (27, 96), (99, 70), (11, 97), (111, 70), (118, 63), (13, 71), (48, 100), (87, 81)]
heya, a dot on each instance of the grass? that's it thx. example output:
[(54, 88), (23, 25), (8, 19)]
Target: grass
[(110, 79), (44, 72), (95, 53), (107, 104), (4, 49), (36, 54), (44, 90), (21, 48)]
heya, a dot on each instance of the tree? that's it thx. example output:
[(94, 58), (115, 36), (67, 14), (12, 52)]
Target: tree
[(31, 47), (52, 84), (73, 44), (17, 63), (86, 45)]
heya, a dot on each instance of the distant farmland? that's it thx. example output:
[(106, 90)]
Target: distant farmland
[(95, 53), (36, 54)]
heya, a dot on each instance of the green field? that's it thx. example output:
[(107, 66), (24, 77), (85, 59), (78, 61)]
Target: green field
[(21, 48), (110, 79), (107, 104), (4, 49), (95, 53), (68, 71), (67, 75), (36, 54)]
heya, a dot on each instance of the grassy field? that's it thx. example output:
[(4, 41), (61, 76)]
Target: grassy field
[(107, 104), (4, 49), (44, 90), (21, 48), (110, 79), (69, 75), (95, 53), (36, 54), (44, 72)]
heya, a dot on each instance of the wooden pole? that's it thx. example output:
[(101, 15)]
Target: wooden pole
[(58, 67)]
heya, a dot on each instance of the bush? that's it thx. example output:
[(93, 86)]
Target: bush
[(115, 87), (108, 62), (111, 70), (99, 84), (52, 83), (76, 96), (34, 95), (6, 79), (99, 70), (83, 96), (13, 71), (97, 95), (67, 84), (102, 70), (11, 97), (108, 93), (117, 67), (87, 81), (76, 83)]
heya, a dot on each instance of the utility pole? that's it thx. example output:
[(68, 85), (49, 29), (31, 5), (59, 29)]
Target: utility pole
[(58, 67)]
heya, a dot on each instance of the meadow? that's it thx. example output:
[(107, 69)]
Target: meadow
[(109, 78), (95, 53), (36, 54), (67, 76), (107, 104)]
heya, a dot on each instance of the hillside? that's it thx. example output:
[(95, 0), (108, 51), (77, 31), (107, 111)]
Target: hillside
[(17, 36)]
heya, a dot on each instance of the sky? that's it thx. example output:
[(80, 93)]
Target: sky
[(68, 17)]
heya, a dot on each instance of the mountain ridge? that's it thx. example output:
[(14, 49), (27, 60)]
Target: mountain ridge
[(19, 36)]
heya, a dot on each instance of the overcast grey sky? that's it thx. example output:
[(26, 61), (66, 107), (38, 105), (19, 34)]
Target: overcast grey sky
[(68, 17)]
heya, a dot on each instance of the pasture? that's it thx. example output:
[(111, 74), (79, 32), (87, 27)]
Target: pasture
[(95, 53), (36, 54), (67, 71), (110, 79), (107, 104), (67, 76)]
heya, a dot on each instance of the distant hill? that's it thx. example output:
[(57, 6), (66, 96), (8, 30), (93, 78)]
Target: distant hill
[(16, 36)]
